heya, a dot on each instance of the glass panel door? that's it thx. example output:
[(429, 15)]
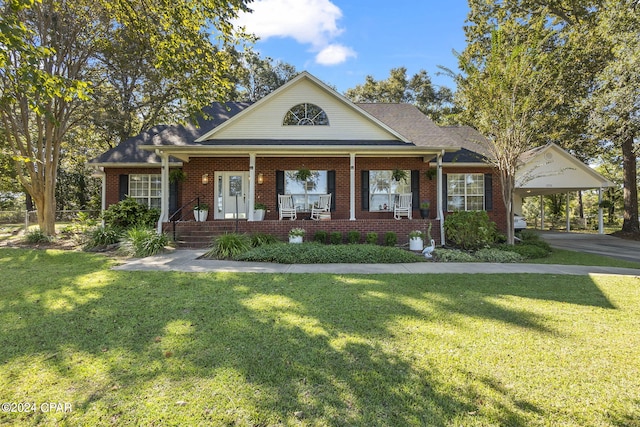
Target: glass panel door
[(232, 192)]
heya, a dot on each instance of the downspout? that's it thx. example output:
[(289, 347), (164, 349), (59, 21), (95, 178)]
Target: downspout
[(164, 188), (252, 185), (352, 186), (99, 173), (439, 211), (567, 214)]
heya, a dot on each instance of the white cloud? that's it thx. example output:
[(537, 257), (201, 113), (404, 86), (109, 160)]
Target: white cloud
[(334, 54), (312, 22)]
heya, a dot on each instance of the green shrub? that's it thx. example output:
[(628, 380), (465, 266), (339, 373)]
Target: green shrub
[(470, 230), (129, 213), (528, 235), (141, 241), (452, 255), (260, 239), (335, 238), (497, 255), (390, 238), (353, 236), (36, 236), (320, 236), (372, 238), (103, 236), (316, 253), (227, 246), (530, 250)]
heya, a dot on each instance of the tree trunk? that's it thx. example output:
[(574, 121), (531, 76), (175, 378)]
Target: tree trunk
[(630, 191), (508, 183)]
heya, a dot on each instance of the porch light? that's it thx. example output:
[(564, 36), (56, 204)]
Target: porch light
[(205, 178), (260, 178)]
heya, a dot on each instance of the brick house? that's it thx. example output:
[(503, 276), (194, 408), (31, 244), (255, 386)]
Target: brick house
[(245, 154)]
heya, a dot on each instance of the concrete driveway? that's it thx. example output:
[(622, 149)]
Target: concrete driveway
[(601, 244)]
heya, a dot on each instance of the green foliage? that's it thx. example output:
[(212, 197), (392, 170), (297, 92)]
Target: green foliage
[(497, 255), (372, 238), (320, 236), (353, 236), (103, 236), (526, 250), (141, 241), (129, 213), (335, 238), (36, 236), (260, 239), (317, 253), (227, 246), (469, 230), (435, 102), (452, 255), (390, 238)]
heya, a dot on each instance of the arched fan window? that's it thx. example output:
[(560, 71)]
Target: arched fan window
[(305, 115)]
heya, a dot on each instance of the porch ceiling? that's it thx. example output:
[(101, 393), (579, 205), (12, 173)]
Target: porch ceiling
[(185, 152)]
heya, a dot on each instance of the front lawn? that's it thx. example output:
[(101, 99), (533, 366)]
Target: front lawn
[(139, 348)]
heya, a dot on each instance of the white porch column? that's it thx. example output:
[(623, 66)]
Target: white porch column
[(164, 188), (439, 201), (600, 213), (252, 185), (352, 186), (567, 214)]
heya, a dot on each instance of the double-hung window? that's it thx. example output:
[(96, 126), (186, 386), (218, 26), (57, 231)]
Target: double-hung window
[(146, 189), (306, 193), (383, 189), (465, 192)]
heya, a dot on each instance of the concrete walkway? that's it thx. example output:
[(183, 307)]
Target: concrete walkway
[(187, 261)]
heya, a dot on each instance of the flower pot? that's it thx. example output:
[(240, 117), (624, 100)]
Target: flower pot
[(200, 215), (416, 244), (295, 239), (424, 213), (258, 214)]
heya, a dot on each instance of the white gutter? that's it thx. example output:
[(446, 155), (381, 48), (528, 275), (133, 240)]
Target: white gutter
[(440, 213)]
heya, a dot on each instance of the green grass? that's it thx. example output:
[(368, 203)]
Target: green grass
[(562, 256), (140, 348)]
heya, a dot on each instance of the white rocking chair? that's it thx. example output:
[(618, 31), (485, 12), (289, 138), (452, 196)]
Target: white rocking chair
[(323, 205), (285, 207), (402, 206)]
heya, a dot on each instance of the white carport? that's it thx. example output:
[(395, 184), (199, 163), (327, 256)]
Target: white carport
[(551, 170)]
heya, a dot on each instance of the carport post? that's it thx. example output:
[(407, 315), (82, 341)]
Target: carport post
[(600, 213), (567, 213)]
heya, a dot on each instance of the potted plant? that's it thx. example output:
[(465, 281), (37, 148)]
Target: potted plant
[(177, 175), (258, 211), (201, 212), (424, 209), (430, 173), (399, 175), (296, 235), (416, 240)]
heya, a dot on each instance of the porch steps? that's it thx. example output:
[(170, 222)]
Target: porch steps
[(196, 235)]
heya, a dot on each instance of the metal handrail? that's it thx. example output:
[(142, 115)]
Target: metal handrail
[(173, 216)]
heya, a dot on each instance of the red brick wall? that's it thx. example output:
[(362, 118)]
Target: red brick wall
[(266, 192)]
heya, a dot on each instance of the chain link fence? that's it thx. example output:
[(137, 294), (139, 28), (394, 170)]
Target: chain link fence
[(29, 218)]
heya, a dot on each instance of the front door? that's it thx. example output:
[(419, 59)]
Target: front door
[(231, 195)]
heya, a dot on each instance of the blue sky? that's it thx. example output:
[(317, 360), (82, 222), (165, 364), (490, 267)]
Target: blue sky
[(342, 41)]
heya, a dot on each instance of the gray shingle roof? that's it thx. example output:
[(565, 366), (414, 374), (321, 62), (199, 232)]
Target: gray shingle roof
[(473, 143), (410, 122), (406, 119)]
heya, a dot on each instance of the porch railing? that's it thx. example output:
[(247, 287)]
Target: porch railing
[(177, 215)]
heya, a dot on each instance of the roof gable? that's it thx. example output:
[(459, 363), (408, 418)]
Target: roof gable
[(549, 169), (264, 119)]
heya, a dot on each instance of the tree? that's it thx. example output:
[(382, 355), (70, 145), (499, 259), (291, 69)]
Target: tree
[(397, 88), (615, 101), (261, 76), (502, 93), (51, 65)]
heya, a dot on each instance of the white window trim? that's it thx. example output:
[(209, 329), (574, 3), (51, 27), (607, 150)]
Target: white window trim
[(466, 194), (146, 199)]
